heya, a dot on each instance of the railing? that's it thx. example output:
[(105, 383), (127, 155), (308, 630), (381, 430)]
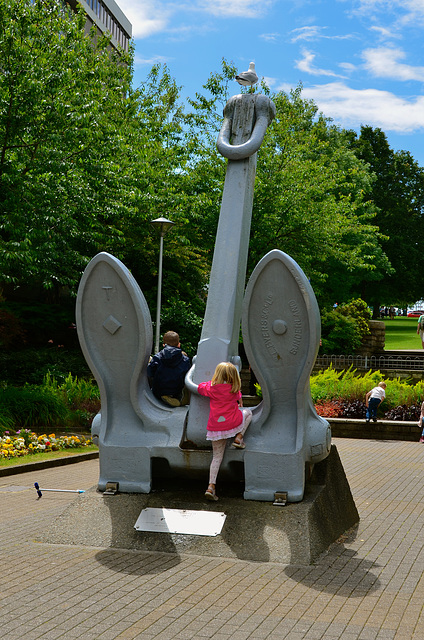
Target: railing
[(406, 363)]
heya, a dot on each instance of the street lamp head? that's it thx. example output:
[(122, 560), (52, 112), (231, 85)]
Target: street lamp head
[(162, 225)]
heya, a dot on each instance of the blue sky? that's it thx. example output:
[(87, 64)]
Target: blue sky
[(361, 61)]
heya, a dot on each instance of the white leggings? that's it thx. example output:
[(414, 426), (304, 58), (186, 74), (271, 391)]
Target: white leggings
[(218, 447)]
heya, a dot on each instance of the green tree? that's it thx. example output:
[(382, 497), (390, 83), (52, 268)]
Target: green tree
[(309, 193), (398, 194), (340, 332), (63, 115), (310, 199), (162, 169), (86, 161)]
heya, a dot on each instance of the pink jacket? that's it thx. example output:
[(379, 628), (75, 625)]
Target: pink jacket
[(225, 413)]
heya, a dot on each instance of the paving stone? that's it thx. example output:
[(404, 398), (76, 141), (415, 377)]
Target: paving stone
[(366, 586)]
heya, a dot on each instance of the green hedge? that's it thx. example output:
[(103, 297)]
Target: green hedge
[(68, 405), (32, 365)]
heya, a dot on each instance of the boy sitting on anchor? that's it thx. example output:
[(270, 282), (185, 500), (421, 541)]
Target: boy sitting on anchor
[(167, 370)]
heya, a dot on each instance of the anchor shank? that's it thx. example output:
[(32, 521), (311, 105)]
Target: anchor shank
[(221, 325)]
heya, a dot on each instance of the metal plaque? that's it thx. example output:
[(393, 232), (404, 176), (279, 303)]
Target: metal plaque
[(197, 523)]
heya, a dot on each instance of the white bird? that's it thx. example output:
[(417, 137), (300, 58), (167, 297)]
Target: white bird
[(248, 78)]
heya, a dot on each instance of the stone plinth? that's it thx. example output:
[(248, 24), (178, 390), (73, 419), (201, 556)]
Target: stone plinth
[(294, 534), (375, 341)]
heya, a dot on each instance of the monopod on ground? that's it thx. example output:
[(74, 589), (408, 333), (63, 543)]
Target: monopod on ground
[(39, 491)]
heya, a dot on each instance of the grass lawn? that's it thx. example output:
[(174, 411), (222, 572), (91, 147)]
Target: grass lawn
[(401, 333), (49, 455)]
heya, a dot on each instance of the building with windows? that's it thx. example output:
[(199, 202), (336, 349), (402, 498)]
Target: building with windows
[(107, 17)]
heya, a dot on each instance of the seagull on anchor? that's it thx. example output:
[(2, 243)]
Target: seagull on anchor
[(248, 78)]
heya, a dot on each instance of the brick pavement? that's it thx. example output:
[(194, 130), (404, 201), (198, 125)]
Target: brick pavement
[(369, 585)]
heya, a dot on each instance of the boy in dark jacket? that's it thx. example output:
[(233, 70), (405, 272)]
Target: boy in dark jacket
[(167, 370)]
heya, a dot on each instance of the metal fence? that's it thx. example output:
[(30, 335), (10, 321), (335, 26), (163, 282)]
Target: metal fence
[(389, 362)]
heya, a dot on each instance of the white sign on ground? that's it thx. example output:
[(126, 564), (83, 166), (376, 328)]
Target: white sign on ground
[(198, 523)]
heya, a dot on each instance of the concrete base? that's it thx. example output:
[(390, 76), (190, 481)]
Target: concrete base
[(294, 534)]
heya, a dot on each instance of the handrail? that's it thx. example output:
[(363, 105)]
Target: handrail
[(401, 362)]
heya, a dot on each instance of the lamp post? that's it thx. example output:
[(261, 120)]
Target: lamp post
[(162, 225)]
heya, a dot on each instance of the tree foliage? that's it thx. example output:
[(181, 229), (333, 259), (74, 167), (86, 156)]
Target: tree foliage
[(87, 161), (310, 192), (398, 194), (340, 332), (63, 115), (310, 199)]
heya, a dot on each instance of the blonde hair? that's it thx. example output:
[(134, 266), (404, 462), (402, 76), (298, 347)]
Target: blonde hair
[(227, 372), (382, 384)]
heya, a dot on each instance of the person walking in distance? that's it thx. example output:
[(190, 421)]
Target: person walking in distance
[(420, 329)]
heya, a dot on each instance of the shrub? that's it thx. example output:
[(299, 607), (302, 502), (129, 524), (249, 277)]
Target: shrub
[(341, 394), (344, 327), (404, 412), (353, 409), (350, 388), (33, 407), (6, 420), (347, 384), (81, 396), (11, 331), (179, 317), (329, 408), (42, 321), (69, 405), (75, 391), (357, 309), (339, 333), (32, 365)]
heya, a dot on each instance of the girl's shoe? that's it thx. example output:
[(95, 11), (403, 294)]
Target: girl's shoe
[(239, 444), (210, 494), (422, 439)]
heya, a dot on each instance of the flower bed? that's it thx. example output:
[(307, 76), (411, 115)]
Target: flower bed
[(356, 409), (25, 442), (341, 394)]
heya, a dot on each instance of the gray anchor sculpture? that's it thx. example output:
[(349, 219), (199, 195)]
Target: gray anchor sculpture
[(137, 435)]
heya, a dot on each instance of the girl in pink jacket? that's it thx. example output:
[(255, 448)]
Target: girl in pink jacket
[(227, 418)]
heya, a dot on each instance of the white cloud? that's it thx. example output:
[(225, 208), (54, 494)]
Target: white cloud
[(139, 61), (351, 107), (235, 8), (270, 82), (146, 16), (306, 33), (270, 37), (368, 6), (403, 12), (385, 33), (383, 62), (306, 65), (415, 9), (347, 66), (153, 16), (313, 32)]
